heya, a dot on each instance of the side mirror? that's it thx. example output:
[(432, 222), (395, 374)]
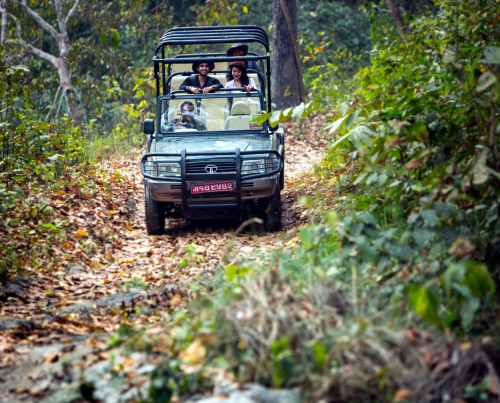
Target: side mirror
[(149, 126)]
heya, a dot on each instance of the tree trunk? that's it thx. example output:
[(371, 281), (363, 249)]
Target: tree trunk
[(62, 38), (69, 94), (396, 16), (178, 12), (4, 7), (287, 86)]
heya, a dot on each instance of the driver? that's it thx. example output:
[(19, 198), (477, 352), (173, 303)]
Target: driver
[(188, 120)]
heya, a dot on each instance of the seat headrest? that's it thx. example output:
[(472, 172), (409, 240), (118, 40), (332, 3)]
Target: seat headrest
[(240, 108)]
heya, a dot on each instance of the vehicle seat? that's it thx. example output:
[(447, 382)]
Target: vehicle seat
[(240, 117), (213, 112)]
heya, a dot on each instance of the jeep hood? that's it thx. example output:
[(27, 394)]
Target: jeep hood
[(211, 144)]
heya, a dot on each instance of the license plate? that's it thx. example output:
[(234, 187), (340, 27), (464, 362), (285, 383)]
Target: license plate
[(212, 187)]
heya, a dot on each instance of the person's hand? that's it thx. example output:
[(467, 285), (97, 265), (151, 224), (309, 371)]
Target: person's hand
[(179, 124), (249, 87), (194, 90), (206, 90)]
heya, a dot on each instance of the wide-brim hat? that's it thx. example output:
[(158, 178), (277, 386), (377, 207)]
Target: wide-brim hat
[(235, 46), (238, 64), (211, 66)]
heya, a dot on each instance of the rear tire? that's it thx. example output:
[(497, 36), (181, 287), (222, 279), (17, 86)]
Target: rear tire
[(272, 212), (155, 215)]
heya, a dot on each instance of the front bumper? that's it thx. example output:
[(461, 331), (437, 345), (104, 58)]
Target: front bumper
[(248, 185)]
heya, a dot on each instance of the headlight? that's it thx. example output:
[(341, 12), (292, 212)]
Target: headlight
[(168, 169), (254, 167)]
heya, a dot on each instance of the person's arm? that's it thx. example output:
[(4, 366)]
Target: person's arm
[(251, 82), (187, 85)]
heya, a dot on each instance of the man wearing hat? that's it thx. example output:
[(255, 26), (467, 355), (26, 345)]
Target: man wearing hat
[(239, 49), (201, 82)]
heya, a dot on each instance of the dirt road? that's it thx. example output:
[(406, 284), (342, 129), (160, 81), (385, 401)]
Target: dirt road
[(110, 272)]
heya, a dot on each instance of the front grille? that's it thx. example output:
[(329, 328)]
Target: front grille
[(203, 167)]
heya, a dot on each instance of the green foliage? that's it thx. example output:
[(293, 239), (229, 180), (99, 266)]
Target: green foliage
[(415, 241), (32, 150), (418, 127)]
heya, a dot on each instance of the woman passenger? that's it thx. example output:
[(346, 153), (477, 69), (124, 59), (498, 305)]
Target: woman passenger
[(238, 77)]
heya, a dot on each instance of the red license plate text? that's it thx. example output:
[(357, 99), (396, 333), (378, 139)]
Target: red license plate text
[(212, 187)]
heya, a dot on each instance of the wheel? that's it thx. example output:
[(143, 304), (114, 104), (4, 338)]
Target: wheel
[(272, 212), (155, 215)]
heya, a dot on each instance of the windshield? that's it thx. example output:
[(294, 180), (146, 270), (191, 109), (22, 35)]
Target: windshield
[(233, 111)]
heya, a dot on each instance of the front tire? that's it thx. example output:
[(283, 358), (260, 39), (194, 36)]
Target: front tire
[(272, 212), (155, 215)]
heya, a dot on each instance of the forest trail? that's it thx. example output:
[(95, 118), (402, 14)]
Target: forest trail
[(49, 323)]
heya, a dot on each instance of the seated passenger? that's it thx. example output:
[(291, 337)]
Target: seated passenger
[(240, 49), (201, 82), (238, 77), (187, 120)]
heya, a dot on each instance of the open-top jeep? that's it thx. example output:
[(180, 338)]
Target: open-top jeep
[(224, 164)]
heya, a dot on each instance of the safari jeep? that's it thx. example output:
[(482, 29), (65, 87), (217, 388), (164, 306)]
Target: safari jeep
[(227, 163)]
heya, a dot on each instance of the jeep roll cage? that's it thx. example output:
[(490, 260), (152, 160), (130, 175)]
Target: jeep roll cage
[(181, 36)]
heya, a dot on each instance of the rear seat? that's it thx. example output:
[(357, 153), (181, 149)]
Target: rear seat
[(240, 117), (214, 112), (178, 80)]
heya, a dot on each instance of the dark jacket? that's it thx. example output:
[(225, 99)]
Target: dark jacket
[(193, 81), (252, 65)]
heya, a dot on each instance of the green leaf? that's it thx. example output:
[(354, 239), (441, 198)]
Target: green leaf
[(56, 157), (311, 236), (261, 118), (287, 113), (468, 310), (275, 118), (231, 272), (491, 55), (486, 81), (298, 110), (103, 38), (332, 127), (332, 220), (319, 353), (478, 279), (426, 304), (115, 38), (453, 275)]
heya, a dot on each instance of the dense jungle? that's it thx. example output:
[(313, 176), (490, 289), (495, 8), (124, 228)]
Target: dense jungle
[(381, 286)]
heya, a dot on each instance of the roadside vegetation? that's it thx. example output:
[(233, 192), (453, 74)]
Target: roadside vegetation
[(392, 294)]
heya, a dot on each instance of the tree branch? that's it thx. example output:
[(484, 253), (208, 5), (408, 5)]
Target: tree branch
[(39, 20), (37, 52), (60, 17), (71, 12)]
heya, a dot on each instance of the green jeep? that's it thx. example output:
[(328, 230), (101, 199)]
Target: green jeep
[(208, 157)]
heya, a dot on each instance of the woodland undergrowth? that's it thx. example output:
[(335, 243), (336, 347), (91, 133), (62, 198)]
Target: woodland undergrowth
[(393, 294)]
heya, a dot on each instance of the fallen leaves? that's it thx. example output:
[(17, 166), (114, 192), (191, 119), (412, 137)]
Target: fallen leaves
[(195, 353), (82, 233), (98, 248)]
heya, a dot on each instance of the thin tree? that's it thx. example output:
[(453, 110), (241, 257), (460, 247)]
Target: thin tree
[(60, 35), (396, 16), (4, 9), (287, 85)]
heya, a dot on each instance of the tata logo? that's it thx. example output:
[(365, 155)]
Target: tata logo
[(211, 169)]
